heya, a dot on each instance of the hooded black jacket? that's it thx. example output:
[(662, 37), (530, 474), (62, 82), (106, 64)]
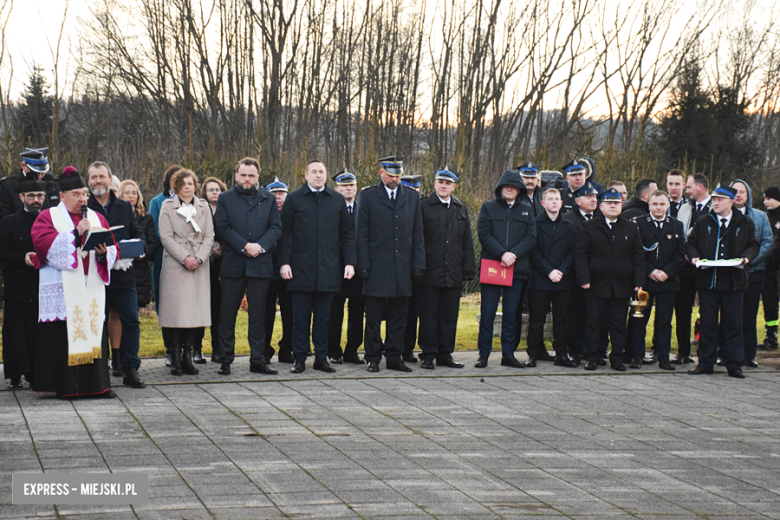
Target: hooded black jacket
[(503, 229)]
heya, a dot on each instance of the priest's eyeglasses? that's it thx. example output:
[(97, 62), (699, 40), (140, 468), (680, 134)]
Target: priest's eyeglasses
[(33, 196)]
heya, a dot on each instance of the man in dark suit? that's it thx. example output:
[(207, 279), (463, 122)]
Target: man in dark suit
[(449, 261), (351, 289), (250, 225), (317, 233), (675, 182), (586, 207), (121, 294), (35, 161), (637, 205), (610, 265), (390, 252), (551, 281), (699, 203), (20, 294), (722, 234), (663, 242), (278, 291), (533, 192), (412, 314)]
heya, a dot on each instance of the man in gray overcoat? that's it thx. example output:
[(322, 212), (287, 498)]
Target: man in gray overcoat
[(390, 252)]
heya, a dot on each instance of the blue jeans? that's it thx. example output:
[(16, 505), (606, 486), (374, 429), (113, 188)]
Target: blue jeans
[(304, 304), (125, 302), (490, 296)]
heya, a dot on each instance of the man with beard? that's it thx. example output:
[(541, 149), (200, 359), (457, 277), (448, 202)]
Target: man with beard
[(17, 254), (35, 161), (637, 205), (533, 192), (121, 294)]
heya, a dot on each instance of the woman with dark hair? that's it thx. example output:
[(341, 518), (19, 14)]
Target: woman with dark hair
[(187, 234), (210, 191), (154, 210)]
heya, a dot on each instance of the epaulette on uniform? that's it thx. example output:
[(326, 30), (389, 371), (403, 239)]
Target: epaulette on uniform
[(367, 187)]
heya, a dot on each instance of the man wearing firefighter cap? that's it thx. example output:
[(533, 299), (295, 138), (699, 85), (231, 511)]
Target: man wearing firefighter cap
[(35, 161)]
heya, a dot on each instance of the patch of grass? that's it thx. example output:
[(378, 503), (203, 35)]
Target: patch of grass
[(468, 331)]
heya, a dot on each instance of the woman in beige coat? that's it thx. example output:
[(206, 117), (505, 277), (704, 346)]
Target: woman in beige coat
[(187, 234)]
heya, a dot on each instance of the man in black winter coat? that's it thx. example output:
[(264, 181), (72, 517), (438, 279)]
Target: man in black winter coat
[(637, 205), (20, 294), (507, 232), (533, 192), (250, 225), (390, 252), (36, 161), (663, 242), (449, 261), (610, 266), (121, 293), (317, 233), (552, 280), (722, 234)]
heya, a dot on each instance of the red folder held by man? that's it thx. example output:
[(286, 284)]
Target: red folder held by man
[(492, 272)]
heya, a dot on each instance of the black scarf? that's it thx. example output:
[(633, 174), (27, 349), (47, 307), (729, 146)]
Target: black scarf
[(242, 191)]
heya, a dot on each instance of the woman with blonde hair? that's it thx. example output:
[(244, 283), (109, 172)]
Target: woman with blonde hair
[(129, 191), (187, 234)]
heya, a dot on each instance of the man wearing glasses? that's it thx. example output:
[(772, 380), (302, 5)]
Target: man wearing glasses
[(21, 282)]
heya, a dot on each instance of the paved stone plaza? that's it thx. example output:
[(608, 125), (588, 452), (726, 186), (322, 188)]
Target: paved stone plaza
[(500, 443)]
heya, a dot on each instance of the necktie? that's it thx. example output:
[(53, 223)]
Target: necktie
[(723, 224), (590, 216), (349, 208), (698, 208), (658, 224)]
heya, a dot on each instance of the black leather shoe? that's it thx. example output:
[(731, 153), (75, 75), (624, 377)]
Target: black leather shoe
[(737, 372), (511, 362), (601, 362), (449, 362), (481, 362), (649, 360), (132, 380), (398, 366), (531, 363), (323, 366), (665, 365), (335, 360), (636, 363), (287, 357), (619, 368), (373, 366), (427, 364), (299, 366), (409, 358), (544, 355), (198, 358), (261, 368), (565, 361), (700, 370), (353, 358), (720, 362), (685, 360), (590, 365), (224, 369), (110, 394), (751, 363), (16, 383), (216, 358)]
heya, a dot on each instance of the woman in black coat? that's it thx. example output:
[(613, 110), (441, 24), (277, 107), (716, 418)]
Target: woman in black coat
[(128, 190), (210, 191)]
